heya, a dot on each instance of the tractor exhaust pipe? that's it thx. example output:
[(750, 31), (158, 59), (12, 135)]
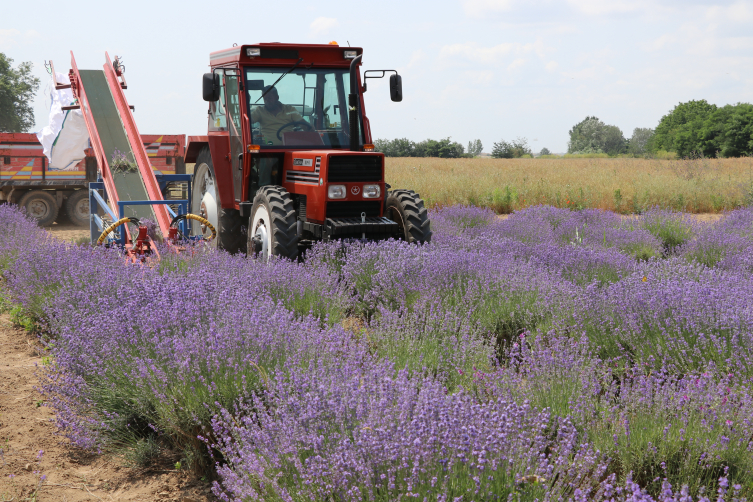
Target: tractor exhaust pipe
[(353, 104)]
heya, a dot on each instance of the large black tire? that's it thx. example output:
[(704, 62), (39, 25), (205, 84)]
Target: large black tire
[(272, 226), (228, 222), (77, 208), (407, 209), (41, 206)]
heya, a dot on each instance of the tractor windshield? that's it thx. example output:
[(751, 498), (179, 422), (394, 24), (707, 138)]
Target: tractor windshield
[(307, 108)]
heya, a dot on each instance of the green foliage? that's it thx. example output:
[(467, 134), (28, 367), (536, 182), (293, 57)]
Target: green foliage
[(17, 89), (698, 128), (591, 135), (475, 148), (729, 131), (544, 151), (403, 147), (513, 150), (642, 141), (672, 230), (679, 130)]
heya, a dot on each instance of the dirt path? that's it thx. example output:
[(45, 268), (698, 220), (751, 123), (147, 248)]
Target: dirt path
[(70, 474)]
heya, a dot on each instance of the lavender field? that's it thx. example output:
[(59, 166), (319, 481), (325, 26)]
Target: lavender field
[(554, 355)]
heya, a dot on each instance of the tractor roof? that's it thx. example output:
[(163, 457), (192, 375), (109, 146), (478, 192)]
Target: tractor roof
[(277, 54)]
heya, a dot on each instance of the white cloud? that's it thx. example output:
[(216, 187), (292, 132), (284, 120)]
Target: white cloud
[(598, 7), (321, 25), (516, 64), (480, 8), (479, 77), (551, 66), (471, 51), (11, 37), (7, 37), (739, 12)]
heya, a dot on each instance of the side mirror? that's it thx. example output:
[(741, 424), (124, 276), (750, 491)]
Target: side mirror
[(396, 87), (211, 87)]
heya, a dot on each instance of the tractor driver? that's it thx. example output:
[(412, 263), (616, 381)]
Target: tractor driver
[(272, 116)]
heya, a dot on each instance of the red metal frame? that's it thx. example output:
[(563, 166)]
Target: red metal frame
[(137, 146), (96, 142)]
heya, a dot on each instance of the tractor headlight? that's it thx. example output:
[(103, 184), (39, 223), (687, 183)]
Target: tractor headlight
[(350, 54), (253, 52), (371, 191), (336, 191)]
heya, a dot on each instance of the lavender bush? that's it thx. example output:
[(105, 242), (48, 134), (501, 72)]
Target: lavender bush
[(555, 355)]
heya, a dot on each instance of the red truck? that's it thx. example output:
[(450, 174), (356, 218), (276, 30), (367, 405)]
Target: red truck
[(27, 180)]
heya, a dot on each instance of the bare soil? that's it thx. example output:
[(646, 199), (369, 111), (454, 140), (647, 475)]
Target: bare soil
[(26, 429), (68, 232)]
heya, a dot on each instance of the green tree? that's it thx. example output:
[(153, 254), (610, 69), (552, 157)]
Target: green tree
[(728, 131), (544, 151), (17, 89), (591, 135), (475, 148), (682, 129), (513, 150), (642, 141)]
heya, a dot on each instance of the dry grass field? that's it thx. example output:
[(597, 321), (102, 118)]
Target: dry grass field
[(624, 185)]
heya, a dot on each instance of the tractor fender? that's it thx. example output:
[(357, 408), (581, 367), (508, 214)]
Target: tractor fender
[(219, 148), (194, 146)]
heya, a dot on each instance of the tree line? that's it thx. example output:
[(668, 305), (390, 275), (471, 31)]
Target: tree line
[(444, 148), (695, 128)]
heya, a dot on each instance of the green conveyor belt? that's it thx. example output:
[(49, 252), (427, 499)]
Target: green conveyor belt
[(112, 134)]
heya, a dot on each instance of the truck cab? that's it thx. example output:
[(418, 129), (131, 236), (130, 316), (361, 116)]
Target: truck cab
[(288, 154)]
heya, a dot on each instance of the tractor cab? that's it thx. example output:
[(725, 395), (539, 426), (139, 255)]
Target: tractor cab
[(288, 153)]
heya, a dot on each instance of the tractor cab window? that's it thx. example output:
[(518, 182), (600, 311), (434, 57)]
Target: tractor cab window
[(307, 108)]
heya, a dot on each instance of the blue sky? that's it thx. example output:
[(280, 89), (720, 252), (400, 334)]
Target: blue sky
[(486, 69)]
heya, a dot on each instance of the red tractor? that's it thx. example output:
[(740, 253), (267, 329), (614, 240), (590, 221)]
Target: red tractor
[(288, 156)]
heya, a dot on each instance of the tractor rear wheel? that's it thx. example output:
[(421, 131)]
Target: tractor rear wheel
[(272, 227), (77, 208), (205, 201), (407, 209), (41, 206)]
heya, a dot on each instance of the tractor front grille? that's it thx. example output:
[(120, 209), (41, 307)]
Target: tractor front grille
[(349, 168), (353, 209)]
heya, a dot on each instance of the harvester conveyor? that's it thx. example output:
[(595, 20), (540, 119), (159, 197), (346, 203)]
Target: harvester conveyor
[(113, 132)]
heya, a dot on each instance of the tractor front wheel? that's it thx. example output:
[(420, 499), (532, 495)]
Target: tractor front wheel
[(272, 225), (406, 208)]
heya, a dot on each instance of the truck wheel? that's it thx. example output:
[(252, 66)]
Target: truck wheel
[(272, 225), (41, 206), (77, 208), (407, 209), (205, 201)]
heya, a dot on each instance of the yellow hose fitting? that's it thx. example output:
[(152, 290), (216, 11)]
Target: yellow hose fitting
[(115, 225), (198, 218)]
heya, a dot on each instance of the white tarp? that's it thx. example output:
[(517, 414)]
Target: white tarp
[(65, 138)]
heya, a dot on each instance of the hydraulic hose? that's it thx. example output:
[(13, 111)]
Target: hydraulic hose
[(106, 231), (198, 218)]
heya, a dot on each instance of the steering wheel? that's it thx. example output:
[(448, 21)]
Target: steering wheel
[(295, 122)]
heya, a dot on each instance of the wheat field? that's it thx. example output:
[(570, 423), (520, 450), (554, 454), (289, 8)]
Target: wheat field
[(624, 185)]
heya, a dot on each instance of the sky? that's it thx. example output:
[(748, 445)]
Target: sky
[(471, 69)]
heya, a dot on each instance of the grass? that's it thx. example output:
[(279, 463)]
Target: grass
[(623, 185)]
